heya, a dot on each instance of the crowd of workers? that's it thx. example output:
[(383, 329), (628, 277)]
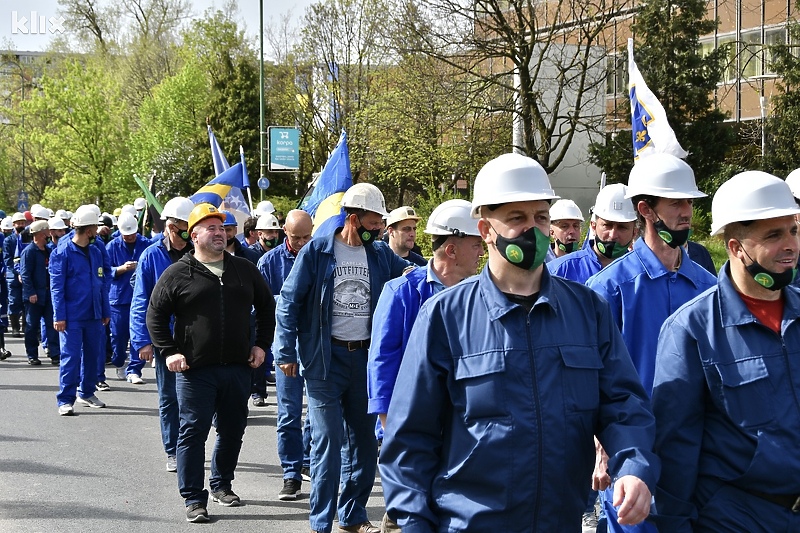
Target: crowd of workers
[(623, 374)]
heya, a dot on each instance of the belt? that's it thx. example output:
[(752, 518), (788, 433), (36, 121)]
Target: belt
[(789, 501), (351, 345)]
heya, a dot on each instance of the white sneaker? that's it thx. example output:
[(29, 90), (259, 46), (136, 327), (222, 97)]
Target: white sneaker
[(65, 410), (91, 401), (135, 379), (172, 463), (121, 373)]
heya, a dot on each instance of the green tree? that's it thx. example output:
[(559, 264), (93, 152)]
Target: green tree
[(783, 149), (83, 131), (667, 34)]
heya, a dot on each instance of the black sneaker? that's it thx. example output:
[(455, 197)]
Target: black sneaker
[(290, 490), (259, 401), (196, 512), (103, 386), (226, 497), (55, 361), (34, 362), (305, 473), (4, 354)]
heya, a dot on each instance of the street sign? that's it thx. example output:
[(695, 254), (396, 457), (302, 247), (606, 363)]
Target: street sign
[(284, 149), (22, 201), (263, 184)]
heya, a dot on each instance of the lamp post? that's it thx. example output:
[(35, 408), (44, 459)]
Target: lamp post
[(762, 102)]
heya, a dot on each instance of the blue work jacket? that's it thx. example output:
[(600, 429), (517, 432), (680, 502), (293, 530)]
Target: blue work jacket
[(494, 429), (275, 266), (121, 292), (642, 294), (395, 314), (152, 263), (305, 307), (79, 283), (726, 402), (12, 253), (34, 274), (577, 266)]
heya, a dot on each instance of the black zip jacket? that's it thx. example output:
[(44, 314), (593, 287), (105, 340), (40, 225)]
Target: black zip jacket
[(212, 316)]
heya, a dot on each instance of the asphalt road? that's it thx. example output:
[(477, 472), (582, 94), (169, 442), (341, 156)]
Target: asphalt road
[(104, 469)]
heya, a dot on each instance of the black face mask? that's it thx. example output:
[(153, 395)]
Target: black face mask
[(566, 248), (231, 241), (367, 235), (768, 279), (92, 240), (611, 249), (269, 243), (526, 251), (672, 237)]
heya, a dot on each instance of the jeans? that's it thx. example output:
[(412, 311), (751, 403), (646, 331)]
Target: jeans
[(294, 440), (203, 392), (81, 348), (33, 322), (342, 441), (120, 334), (167, 404)]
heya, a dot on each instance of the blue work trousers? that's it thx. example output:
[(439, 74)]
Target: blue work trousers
[(294, 439), (203, 392), (15, 302), (81, 349), (120, 334), (342, 441), (40, 316), (728, 509), (167, 404)]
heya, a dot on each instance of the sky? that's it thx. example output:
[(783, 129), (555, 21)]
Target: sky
[(13, 28)]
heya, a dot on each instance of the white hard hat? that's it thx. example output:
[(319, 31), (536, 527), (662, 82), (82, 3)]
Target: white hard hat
[(50, 213), (85, 216), (17, 217), (264, 207), (611, 204), (37, 226), (127, 224), (40, 212), (128, 208), (179, 207), (139, 204), (365, 196), (35, 207), (510, 178), (452, 217), (6, 224), (793, 180), (56, 223), (267, 221), (565, 210), (751, 195), (95, 209), (69, 214), (62, 214), (663, 176), (401, 213)]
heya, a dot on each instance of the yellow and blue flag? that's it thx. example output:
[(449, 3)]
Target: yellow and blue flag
[(324, 204), (228, 184), (651, 130)]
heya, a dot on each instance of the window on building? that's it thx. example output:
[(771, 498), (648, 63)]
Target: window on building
[(616, 74), (773, 37)]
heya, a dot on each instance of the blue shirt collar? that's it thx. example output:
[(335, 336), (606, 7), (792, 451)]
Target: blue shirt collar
[(498, 305), (735, 312), (431, 276), (655, 268)]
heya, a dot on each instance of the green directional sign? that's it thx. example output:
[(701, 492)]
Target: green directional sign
[(284, 149)]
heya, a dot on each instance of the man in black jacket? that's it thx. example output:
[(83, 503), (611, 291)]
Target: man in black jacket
[(210, 293)]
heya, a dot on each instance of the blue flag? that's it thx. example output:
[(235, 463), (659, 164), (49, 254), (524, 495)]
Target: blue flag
[(333, 181)]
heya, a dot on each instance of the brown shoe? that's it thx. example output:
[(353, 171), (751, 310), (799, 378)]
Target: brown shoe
[(365, 527)]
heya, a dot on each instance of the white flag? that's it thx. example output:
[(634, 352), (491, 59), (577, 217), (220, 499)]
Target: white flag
[(651, 131)]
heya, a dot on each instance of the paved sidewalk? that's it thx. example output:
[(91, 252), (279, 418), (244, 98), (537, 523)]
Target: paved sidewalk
[(104, 469)]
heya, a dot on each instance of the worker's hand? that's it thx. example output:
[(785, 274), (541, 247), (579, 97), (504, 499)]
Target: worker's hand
[(60, 325), (146, 353), (382, 418), (289, 370), (177, 363), (33, 299), (256, 357), (600, 478), (106, 320), (632, 497)]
